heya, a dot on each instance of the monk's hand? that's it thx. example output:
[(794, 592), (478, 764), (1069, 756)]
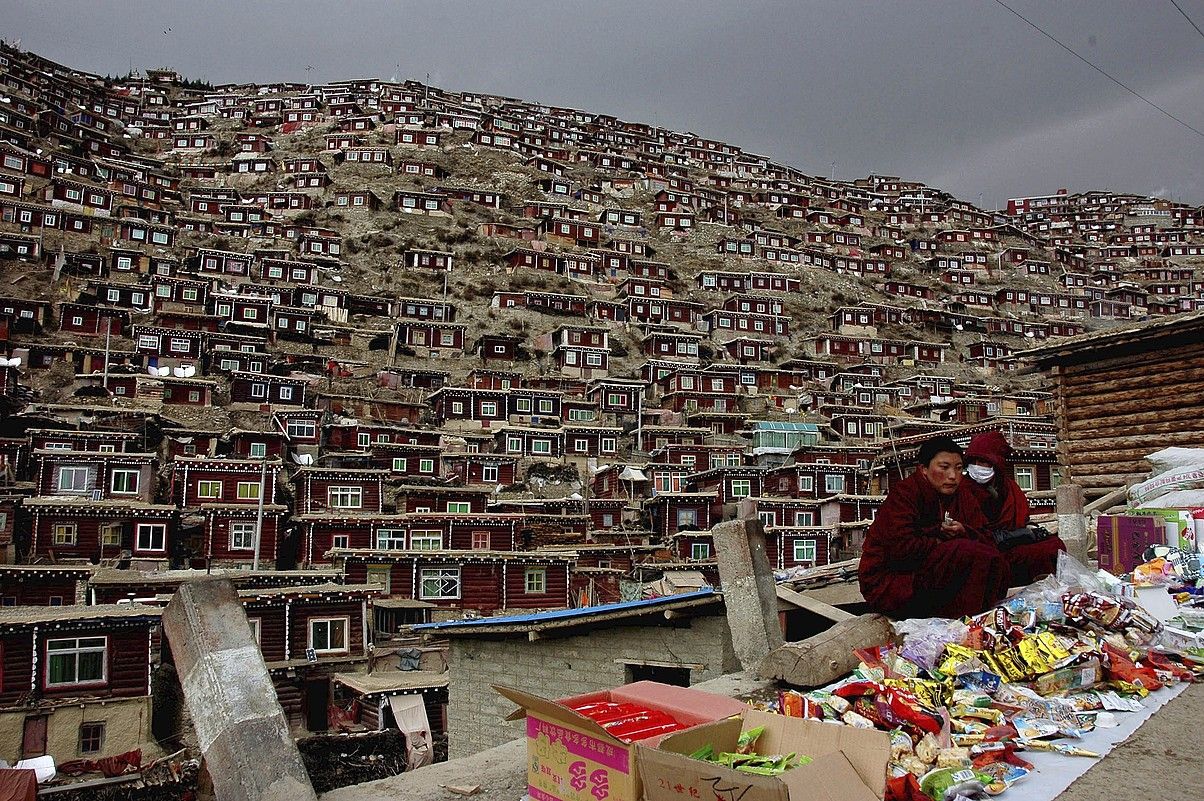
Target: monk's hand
[(951, 529)]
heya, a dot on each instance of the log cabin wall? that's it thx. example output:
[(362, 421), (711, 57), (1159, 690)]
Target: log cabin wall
[(1123, 395)]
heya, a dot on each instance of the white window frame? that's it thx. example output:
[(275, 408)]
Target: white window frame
[(331, 624), (439, 584), (242, 535), (345, 497), (214, 487), (74, 471), (74, 648), (152, 532), (126, 473), (244, 493), (802, 548)]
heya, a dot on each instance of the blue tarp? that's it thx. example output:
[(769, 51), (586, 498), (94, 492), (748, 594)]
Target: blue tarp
[(563, 614)]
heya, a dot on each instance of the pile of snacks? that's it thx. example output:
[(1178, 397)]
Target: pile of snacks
[(964, 699)]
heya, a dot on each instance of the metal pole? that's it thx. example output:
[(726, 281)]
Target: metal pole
[(263, 474)]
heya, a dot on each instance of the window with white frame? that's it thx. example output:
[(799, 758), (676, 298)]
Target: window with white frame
[(700, 551), (608, 444), (833, 483), (426, 465), (345, 497), (399, 464), (242, 536), (459, 507), (580, 445), (302, 429), (543, 446), (514, 444), (426, 540), (489, 473), (74, 479), (806, 518), (687, 517), (741, 487), (439, 583), (535, 580), (488, 409), (76, 660), (522, 405), (545, 406), (259, 390), (329, 635), (209, 489), (391, 539), (152, 536), (804, 550), (248, 490), (124, 481), (286, 393), (806, 483), (769, 519), (1024, 477)]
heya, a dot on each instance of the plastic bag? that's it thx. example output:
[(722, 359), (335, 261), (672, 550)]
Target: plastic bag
[(1072, 574), (924, 639)]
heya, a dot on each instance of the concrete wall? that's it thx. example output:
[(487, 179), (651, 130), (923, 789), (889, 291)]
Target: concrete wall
[(127, 726), (561, 666)]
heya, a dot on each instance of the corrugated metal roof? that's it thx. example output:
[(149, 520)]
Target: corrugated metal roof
[(568, 614)]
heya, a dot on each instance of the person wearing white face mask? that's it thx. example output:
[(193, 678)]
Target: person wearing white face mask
[(1005, 505)]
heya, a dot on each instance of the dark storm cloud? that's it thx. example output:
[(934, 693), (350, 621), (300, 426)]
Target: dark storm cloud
[(961, 94)]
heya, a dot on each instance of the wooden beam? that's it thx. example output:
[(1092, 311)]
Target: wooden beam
[(822, 659), (824, 610), (1105, 501)]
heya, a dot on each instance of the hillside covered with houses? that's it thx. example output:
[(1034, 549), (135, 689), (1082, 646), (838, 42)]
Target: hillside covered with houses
[(389, 353)]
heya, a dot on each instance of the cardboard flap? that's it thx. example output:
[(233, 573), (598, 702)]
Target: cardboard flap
[(662, 772), (723, 735), (549, 709), (830, 777), (868, 750)]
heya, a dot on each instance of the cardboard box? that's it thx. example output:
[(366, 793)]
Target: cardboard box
[(847, 764), (572, 758), (1122, 539), (1177, 522)]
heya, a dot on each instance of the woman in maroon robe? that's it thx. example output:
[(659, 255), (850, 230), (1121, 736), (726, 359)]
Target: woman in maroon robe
[(1005, 506), (929, 551)]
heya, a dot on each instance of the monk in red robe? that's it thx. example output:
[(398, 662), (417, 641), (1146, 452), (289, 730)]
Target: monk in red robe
[(1005, 506), (929, 551)]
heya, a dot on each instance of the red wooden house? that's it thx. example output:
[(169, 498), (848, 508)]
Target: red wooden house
[(76, 680)]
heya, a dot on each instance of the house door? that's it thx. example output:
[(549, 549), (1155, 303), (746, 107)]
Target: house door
[(33, 742), (317, 699)]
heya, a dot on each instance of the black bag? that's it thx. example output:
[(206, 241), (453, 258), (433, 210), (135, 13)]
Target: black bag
[(1006, 539)]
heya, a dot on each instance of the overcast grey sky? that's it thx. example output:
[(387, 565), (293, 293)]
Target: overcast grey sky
[(957, 93)]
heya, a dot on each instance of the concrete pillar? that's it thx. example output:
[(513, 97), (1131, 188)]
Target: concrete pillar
[(1072, 524), (248, 752), (749, 591)]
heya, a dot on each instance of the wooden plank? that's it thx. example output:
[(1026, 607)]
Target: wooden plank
[(816, 606), (1106, 501)]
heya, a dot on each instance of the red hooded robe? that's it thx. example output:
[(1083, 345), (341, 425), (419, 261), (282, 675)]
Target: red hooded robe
[(908, 570), (1007, 508)]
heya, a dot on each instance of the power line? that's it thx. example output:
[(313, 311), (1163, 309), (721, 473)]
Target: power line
[(1189, 19), (1101, 71)]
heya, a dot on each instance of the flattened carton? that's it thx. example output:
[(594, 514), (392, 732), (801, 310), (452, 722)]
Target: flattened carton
[(847, 764), (572, 758)]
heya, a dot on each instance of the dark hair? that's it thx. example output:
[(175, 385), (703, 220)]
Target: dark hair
[(932, 447)]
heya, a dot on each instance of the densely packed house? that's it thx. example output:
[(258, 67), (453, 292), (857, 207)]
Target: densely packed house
[(390, 352)]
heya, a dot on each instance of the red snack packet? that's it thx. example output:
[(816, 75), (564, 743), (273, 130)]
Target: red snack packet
[(1119, 667)]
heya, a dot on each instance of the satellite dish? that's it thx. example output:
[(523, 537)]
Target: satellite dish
[(164, 371), (958, 326), (178, 372), (189, 370), (153, 371)]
